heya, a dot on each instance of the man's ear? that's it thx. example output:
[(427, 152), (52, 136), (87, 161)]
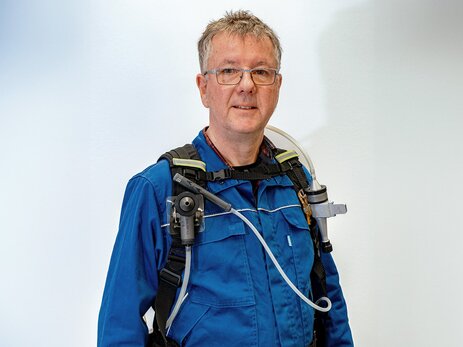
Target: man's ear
[(279, 80), (201, 82)]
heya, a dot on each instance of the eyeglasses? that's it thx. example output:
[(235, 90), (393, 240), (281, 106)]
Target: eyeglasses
[(232, 76)]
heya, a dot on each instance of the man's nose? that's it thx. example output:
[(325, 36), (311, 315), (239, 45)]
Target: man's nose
[(246, 83)]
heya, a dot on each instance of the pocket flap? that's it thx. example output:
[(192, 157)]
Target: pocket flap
[(295, 217), (219, 228), (189, 315)]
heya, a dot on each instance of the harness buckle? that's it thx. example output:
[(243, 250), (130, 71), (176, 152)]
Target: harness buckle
[(170, 277), (221, 175)]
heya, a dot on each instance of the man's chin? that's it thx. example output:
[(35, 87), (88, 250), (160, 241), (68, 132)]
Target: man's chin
[(248, 129)]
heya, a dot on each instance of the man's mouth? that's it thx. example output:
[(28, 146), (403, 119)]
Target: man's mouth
[(244, 107)]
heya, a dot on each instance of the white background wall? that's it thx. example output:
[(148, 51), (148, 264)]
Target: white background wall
[(91, 92)]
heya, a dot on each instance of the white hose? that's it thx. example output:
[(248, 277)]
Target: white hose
[(280, 270), (181, 295), (299, 149), (186, 275)]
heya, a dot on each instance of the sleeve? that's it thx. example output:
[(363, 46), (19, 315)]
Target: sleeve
[(338, 332), (131, 283)]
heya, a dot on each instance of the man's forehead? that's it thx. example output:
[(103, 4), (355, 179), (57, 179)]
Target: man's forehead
[(224, 49), (227, 37)]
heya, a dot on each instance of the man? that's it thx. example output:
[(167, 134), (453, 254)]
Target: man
[(235, 297)]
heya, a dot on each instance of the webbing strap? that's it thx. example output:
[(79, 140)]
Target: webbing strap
[(318, 280), (170, 279), (186, 161), (292, 167), (254, 174)]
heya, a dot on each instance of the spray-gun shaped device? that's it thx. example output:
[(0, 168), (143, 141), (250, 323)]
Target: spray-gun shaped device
[(317, 194), (185, 219), (322, 209)]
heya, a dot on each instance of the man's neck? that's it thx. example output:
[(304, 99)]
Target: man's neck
[(237, 150)]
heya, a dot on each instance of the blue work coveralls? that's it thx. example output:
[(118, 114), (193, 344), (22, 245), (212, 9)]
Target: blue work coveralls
[(236, 297)]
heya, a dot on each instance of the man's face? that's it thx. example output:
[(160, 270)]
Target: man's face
[(244, 108)]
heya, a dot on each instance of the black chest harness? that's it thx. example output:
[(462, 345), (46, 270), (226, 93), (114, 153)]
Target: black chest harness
[(187, 162)]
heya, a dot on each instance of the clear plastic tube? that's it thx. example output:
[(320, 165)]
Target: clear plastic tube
[(181, 295), (186, 275), (299, 149), (280, 270)]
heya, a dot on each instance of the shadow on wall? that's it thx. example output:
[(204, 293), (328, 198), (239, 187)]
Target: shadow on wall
[(393, 73)]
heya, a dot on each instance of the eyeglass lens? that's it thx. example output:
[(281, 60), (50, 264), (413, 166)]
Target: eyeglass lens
[(233, 76)]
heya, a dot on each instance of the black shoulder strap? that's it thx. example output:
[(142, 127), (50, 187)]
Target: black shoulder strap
[(185, 161), (293, 168)]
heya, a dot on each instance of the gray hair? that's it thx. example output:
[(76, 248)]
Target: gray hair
[(239, 23)]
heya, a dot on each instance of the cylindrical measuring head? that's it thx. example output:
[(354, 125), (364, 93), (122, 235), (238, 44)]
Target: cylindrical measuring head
[(317, 196), (186, 205)]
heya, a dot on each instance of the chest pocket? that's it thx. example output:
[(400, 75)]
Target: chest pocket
[(220, 270)]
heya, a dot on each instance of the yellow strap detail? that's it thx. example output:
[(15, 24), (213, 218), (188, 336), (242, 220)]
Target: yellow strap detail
[(305, 205), (190, 163), (282, 157)]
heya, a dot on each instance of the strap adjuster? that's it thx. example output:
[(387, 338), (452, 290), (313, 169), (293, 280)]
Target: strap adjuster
[(170, 277), (191, 173), (220, 175)]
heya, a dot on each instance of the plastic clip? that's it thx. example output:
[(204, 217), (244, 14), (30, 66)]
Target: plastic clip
[(170, 277), (221, 175)]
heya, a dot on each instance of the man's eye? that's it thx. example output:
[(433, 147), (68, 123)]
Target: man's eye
[(261, 72), (229, 71)]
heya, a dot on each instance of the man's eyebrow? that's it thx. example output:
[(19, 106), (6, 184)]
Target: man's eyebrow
[(233, 63), (228, 61), (262, 63)]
